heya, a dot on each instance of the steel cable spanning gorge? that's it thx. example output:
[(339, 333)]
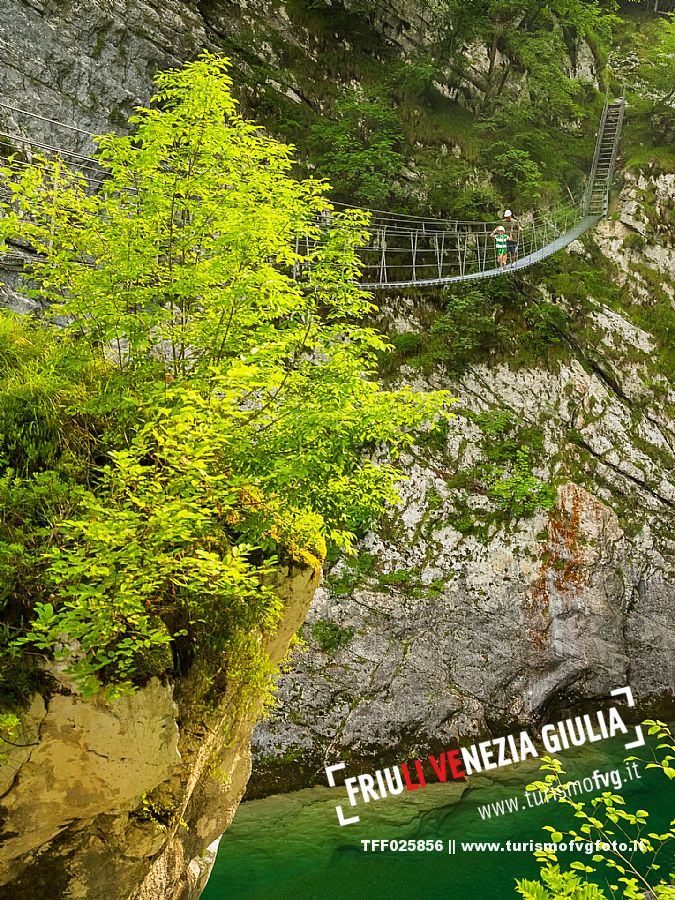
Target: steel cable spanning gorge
[(410, 251)]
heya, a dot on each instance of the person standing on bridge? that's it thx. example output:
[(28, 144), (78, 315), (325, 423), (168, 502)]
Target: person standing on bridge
[(501, 240), (512, 225)]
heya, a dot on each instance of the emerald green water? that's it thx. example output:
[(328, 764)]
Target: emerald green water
[(290, 847)]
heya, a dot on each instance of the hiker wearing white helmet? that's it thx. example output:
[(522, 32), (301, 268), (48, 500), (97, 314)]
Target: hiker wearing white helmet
[(513, 225), (501, 238)]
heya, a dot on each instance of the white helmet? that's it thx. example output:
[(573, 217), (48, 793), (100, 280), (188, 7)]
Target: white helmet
[(507, 213)]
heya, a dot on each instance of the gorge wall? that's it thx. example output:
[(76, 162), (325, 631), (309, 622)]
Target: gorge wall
[(456, 620), (89, 63)]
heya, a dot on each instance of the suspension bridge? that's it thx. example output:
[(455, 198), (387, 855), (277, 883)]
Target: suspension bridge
[(408, 251), (405, 251)]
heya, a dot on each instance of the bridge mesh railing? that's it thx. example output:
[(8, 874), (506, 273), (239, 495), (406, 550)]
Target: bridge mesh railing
[(405, 250), (402, 254)]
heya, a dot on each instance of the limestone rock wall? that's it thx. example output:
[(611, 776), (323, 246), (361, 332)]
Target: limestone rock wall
[(440, 630), (121, 800), (88, 63)]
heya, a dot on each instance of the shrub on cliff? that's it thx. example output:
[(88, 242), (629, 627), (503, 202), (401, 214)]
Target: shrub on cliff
[(230, 411)]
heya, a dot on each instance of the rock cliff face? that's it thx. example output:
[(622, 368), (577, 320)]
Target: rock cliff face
[(89, 63), (443, 627), (122, 800)]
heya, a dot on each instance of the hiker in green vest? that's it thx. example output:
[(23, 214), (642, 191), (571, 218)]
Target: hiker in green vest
[(501, 240)]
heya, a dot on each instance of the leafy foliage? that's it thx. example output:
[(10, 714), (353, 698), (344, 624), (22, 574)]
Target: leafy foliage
[(519, 171), (505, 472), (385, 132), (9, 729), (330, 636), (538, 45), (610, 824), (204, 414), (557, 885), (658, 65), (467, 325), (520, 492), (40, 384), (359, 148)]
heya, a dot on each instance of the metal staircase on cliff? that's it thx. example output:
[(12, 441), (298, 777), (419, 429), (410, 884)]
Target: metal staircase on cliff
[(407, 251), (596, 199)]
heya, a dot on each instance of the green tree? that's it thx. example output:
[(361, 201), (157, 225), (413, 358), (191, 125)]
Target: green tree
[(359, 148), (234, 418), (535, 38), (658, 73), (515, 60), (557, 885), (520, 173)]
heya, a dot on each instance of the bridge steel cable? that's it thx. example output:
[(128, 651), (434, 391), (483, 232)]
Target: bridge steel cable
[(404, 250)]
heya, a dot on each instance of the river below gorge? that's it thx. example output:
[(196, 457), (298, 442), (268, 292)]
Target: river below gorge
[(291, 847)]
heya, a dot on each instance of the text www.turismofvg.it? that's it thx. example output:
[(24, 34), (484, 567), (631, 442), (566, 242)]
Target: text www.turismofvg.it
[(615, 778)]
